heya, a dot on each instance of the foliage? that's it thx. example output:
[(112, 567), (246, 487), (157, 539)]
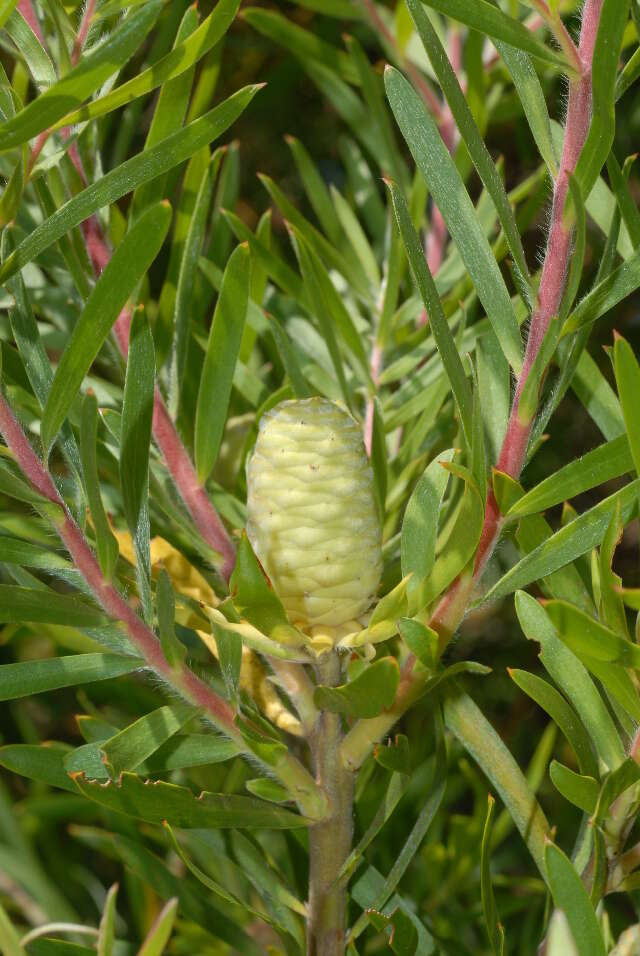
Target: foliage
[(182, 760)]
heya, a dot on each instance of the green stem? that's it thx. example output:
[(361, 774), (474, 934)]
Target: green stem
[(329, 841)]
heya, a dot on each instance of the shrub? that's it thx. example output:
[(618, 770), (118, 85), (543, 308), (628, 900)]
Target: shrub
[(290, 736)]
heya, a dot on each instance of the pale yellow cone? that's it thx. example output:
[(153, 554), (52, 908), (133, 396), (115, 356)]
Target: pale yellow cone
[(312, 515)]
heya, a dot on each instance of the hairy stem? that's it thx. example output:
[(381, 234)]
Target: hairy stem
[(552, 284), (329, 841)]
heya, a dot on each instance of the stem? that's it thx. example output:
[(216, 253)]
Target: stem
[(552, 283), (329, 841), (83, 30)]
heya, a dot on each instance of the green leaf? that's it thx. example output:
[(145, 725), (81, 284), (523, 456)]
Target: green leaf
[(229, 647), (494, 383), (587, 637), (450, 195), (395, 755), (491, 920), (562, 714), (223, 347), (478, 737), (572, 678), (315, 188), (158, 936), (626, 203), (570, 542), (173, 649), (570, 896), (628, 380), (618, 285), (606, 56), (131, 746), (289, 357), (180, 808), (371, 692), (598, 466), (421, 640), (191, 750), (35, 677), (135, 441), (525, 79), (579, 790), (43, 606), (41, 762), (6, 9), (403, 939), (488, 19), (116, 284), (302, 43), (107, 930), (106, 541), (183, 56), (469, 132), (92, 71), (373, 92), (325, 299), (168, 115), (171, 152), (256, 600), (187, 275), (357, 238), (318, 291), (34, 355), (437, 785), (420, 522), (437, 320), (16, 551), (268, 789), (9, 939), (36, 59), (461, 543)]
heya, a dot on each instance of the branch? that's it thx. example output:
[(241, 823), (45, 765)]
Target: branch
[(83, 30), (452, 608), (552, 283), (311, 798)]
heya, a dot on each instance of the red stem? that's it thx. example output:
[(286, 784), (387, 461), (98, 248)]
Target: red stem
[(83, 30), (142, 637), (552, 283), (25, 7)]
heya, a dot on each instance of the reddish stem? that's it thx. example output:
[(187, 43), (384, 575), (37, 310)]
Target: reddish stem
[(83, 30), (142, 637), (552, 283), (25, 7)]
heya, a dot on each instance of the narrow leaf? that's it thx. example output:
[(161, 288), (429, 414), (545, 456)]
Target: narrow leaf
[(449, 193), (223, 347), (35, 677), (116, 284)]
